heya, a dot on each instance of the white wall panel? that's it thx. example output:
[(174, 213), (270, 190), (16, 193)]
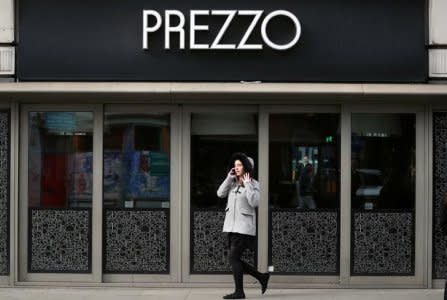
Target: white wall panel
[(438, 22), (438, 62), (6, 21), (7, 60)]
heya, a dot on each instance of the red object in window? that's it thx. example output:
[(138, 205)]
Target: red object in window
[(54, 192)]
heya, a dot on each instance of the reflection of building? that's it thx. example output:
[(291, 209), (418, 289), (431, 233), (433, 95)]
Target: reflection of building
[(110, 155)]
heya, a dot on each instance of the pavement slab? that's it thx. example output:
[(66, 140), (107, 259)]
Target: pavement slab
[(115, 293)]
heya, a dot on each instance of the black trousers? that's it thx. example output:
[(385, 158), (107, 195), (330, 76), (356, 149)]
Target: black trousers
[(237, 244)]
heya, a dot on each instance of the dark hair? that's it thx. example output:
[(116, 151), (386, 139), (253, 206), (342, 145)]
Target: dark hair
[(248, 167)]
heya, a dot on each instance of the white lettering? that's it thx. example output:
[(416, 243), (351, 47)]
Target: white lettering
[(147, 29), (193, 27), (179, 28), (242, 44), (230, 14), (267, 20)]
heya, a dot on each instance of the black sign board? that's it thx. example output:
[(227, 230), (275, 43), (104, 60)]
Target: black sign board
[(340, 41)]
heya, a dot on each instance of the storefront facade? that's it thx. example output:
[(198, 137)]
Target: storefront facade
[(116, 132)]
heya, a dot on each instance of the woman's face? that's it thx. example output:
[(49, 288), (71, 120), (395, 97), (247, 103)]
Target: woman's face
[(238, 167)]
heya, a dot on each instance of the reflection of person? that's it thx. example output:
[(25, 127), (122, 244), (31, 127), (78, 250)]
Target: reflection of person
[(306, 184), (144, 163), (81, 184), (144, 172), (240, 220), (355, 182)]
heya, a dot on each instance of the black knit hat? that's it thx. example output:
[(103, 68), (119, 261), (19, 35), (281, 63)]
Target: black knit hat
[(246, 161)]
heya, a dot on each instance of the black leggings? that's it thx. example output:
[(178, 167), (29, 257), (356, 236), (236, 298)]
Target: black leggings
[(238, 243)]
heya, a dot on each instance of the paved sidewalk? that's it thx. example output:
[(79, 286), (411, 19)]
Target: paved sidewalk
[(115, 293)]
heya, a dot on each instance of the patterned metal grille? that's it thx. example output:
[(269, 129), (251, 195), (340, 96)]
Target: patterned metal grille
[(4, 193), (304, 242), (136, 241), (383, 243), (439, 193), (209, 245), (60, 240)]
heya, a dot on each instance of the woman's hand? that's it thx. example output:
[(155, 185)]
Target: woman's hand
[(246, 178), (232, 173)]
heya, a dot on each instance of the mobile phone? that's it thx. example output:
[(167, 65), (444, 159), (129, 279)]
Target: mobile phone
[(233, 172)]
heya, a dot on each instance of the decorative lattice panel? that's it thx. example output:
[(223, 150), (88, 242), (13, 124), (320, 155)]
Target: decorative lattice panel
[(439, 193), (136, 241), (383, 243), (60, 240), (4, 193), (304, 242), (209, 245)]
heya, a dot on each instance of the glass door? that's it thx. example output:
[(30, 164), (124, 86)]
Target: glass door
[(304, 193), (99, 197), (211, 135), (58, 192), (140, 194), (303, 213), (388, 167)]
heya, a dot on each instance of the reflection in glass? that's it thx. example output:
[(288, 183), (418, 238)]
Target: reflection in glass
[(136, 160), (214, 138), (383, 148), (304, 161), (304, 197), (60, 170), (383, 161)]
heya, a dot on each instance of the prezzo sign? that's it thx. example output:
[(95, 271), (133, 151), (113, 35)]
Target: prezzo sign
[(222, 41), (178, 30)]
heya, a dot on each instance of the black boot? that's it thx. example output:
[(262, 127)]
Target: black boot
[(264, 281), (235, 295)]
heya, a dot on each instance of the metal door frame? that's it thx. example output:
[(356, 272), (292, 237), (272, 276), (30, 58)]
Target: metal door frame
[(219, 280), (296, 281), (175, 206), (96, 215), (419, 280)]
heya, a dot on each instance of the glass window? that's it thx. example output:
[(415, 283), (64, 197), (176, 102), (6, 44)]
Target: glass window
[(383, 149), (304, 161), (304, 197), (214, 138), (60, 159), (136, 160), (383, 161)]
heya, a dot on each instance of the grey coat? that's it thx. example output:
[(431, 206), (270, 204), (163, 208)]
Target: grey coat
[(240, 214)]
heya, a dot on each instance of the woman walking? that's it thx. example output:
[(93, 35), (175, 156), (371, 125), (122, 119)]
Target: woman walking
[(240, 220)]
